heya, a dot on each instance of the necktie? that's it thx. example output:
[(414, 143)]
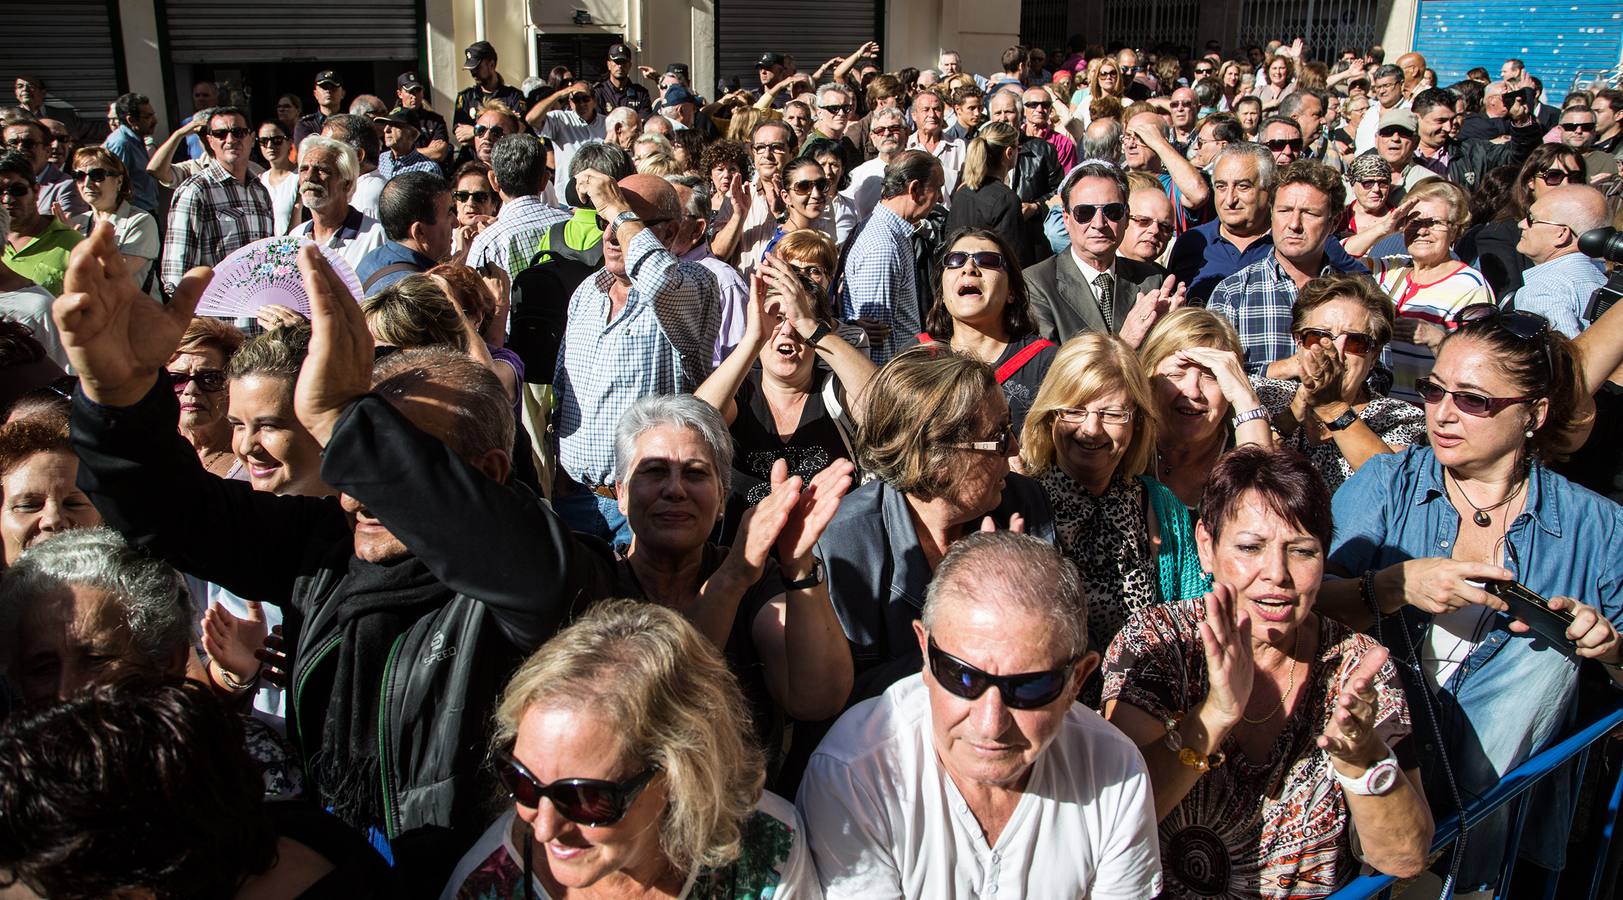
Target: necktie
[(1104, 293)]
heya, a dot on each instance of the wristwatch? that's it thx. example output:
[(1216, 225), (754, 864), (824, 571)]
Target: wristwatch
[(622, 218), (1377, 780), (821, 331), (1251, 415), (812, 580), (1343, 421)]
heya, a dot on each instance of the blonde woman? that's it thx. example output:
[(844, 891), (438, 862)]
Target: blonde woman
[(982, 200), (1232, 76), (630, 727)]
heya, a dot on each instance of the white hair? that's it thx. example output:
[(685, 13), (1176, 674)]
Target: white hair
[(621, 115), (349, 165), (682, 411), (832, 88)]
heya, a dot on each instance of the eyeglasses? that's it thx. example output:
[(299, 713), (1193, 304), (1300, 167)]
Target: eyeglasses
[(1036, 104), (585, 801), (1430, 224), (475, 196), (1279, 144), (272, 141), (1580, 127), (836, 109), (239, 132), (1468, 402), (1030, 690), (999, 444), (806, 186), (16, 191), (496, 132), (816, 273), (94, 176), (1375, 184), (580, 98), (1532, 221), (1181, 104), (211, 380), (1083, 213), (1200, 72), (1146, 223), (888, 129), (774, 147), (984, 259), (1553, 177), (1071, 415), (1358, 343), (1109, 73), (1391, 130), (26, 145)]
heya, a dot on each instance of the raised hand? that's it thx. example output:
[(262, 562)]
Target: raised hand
[(811, 514), (1149, 309), (1350, 735), (798, 306), (1225, 639), (274, 655), (1321, 370), (760, 528), (116, 336), (232, 642), (1225, 367), (272, 316), (338, 369)]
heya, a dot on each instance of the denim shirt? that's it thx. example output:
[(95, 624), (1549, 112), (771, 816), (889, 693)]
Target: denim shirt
[(1513, 695)]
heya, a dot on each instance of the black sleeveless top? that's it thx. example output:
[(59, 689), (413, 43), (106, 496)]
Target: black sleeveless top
[(815, 444)]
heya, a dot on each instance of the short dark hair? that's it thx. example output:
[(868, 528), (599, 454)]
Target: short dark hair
[(1279, 120), (1207, 92), (215, 112), (13, 162), (1225, 127), (1431, 98), (411, 197), (356, 131), (1612, 96), (129, 105), (967, 92), (610, 159), (1012, 58), (1282, 479), (908, 166), (721, 153), (1316, 175), (773, 123), (520, 164)]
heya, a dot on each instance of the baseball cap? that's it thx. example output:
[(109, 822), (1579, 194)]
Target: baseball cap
[(1403, 118), (680, 70), (409, 80), (328, 76), (619, 52), (769, 59), (477, 52), (402, 116), (677, 94)]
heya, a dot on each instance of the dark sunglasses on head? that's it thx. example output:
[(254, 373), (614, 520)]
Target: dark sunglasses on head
[(1358, 343), (16, 190), (585, 801), (238, 132), (475, 196), (1084, 212), (271, 141), (211, 380), (1519, 324), (1278, 144), (1030, 690), (496, 132), (1553, 177), (94, 176), (805, 187), (984, 259)]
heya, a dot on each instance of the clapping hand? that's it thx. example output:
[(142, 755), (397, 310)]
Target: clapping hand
[(338, 369), (1319, 369), (1350, 736), (1150, 308), (788, 519), (116, 336), (232, 642), (1225, 639), (1017, 523)]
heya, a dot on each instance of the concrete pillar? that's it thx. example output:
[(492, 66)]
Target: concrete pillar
[(142, 65)]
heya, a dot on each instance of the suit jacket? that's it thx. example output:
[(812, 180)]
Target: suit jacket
[(1062, 301)]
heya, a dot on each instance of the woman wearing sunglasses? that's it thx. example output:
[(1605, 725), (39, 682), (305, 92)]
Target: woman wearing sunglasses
[(807, 194), (476, 203), (281, 178), (1272, 734), (1419, 533), (197, 372), (104, 185), (1492, 249), (982, 200), (839, 216), (1368, 229), (622, 745), (981, 309), (1328, 413)]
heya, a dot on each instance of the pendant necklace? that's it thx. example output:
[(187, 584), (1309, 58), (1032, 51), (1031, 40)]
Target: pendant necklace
[(1480, 515)]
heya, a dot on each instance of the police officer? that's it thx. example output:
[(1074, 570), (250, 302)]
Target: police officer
[(480, 61)]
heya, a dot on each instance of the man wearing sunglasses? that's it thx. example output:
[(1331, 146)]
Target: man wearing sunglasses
[(219, 209), (1039, 115), (37, 245), (479, 59), (29, 136), (836, 110), (1562, 278), (1578, 127), (981, 776), (568, 118), (1146, 146), (888, 128)]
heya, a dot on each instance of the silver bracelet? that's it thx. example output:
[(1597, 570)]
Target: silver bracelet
[(1250, 415)]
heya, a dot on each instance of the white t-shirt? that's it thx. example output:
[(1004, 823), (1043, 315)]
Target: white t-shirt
[(567, 131), (867, 182), (885, 820), (353, 248), (367, 189), (31, 305)]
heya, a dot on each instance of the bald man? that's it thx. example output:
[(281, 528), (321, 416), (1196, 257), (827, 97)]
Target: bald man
[(1412, 64), (646, 324), (1562, 278)]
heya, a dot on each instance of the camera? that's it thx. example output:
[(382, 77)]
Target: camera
[(1605, 244)]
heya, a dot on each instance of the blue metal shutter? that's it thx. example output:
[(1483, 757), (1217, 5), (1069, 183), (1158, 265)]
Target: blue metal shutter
[(1555, 39)]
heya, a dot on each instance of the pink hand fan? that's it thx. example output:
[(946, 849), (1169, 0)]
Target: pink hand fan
[(265, 273)]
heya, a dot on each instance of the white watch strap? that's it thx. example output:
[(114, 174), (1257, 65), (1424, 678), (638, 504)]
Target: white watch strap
[(1370, 783)]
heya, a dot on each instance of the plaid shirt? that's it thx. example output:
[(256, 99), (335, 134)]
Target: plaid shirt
[(389, 166), (661, 342), (513, 239), (880, 281), (211, 215)]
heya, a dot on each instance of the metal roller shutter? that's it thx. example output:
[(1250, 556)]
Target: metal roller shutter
[(70, 44), (211, 31), (810, 32), (1555, 40)]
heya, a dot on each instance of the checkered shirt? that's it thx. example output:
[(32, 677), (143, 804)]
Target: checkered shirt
[(881, 283), (414, 161), (1258, 300), (513, 239), (211, 215)]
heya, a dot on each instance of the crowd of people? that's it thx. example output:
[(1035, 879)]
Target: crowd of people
[(1099, 477)]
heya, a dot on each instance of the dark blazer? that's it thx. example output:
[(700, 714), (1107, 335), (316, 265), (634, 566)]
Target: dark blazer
[(1062, 301)]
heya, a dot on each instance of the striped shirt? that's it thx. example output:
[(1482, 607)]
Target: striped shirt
[(211, 215), (513, 239), (1435, 303)]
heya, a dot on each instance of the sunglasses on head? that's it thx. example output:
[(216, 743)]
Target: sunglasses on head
[(16, 190), (495, 131), (475, 196), (806, 186), (585, 801), (239, 132), (984, 259), (211, 380), (94, 176), (1519, 324), (1358, 343), (1278, 144), (1553, 177), (1083, 213), (1030, 690)]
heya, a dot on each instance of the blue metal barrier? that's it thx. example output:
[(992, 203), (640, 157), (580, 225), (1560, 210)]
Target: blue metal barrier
[(1511, 789)]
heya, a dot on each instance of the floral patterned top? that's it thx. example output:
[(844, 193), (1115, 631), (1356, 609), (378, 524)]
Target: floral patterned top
[(1273, 828), (774, 865), (1394, 421)]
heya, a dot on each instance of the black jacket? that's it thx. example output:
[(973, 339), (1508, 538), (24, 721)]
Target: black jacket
[(1470, 160), (506, 563)]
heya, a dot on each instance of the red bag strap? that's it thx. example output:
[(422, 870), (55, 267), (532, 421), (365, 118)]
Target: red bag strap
[(924, 337), (1018, 361)]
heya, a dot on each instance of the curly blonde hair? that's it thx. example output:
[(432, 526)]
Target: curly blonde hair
[(668, 692)]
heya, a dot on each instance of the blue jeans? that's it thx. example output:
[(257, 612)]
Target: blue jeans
[(600, 517)]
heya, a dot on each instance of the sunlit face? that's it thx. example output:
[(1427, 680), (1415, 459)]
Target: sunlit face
[(1431, 233), (1098, 237), (1249, 116), (809, 190), (75, 636), (927, 114), (1559, 163), (1184, 108), (273, 143), (231, 148), (1242, 203), (576, 741), (1005, 108), (489, 128), (1279, 73), (1438, 125), (1339, 317), (833, 113), (971, 113), (279, 454), (1396, 145), (973, 294), (1090, 451), (101, 195), (1037, 107), (1149, 225), (1388, 90), (771, 150), (41, 499), (1109, 79), (321, 185), (1193, 407), (1460, 440), (1578, 129), (1372, 194), (672, 493), (1273, 565), (1302, 221), (798, 116), (199, 408)]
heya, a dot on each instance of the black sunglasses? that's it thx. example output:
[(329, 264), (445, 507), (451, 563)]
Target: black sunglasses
[(584, 801), (1030, 690), (1468, 402), (221, 134), (94, 176), (475, 196), (1083, 212), (271, 141), (1358, 343), (1519, 324), (26, 145), (496, 132), (1279, 144), (1390, 130), (16, 190), (835, 109), (984, 259), (1553, 177), (211, 380), (1036, 104), (1578, 126)]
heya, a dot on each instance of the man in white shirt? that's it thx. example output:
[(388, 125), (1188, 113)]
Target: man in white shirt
[(327, 172), (1386, 94), (889, 130), (574, 122), (930, 120), (961, 783)]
